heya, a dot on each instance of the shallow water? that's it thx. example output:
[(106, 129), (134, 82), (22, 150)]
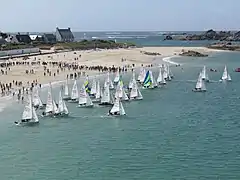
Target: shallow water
[(173, 133)]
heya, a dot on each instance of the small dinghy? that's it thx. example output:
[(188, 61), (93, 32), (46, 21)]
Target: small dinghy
[(106, 98), (84, 99), (200, 85), (149, 81), (36, 100), (225, 76), (62, 108), (29, 116), (74, 94), (160, 79), (51, 107), (135, 93), (117, 109), (66, 95)]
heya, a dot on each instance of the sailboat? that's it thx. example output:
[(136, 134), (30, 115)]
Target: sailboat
[(225, 75), (106, 98), (98, 93), (204, 74), (135, 93), (117, 109), (167, 72), (120, 92), (94, 87), (84, 99), (170, 74), (132, 80), (200, 85), (160, 79), (74, 94), (108, 82), (51, 107), (36, 100), (62, 108), (117, 77), (66, 95), (149, 81), (29, 116), (141, 75)]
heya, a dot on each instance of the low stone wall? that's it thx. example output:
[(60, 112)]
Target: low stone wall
[(19, 52)]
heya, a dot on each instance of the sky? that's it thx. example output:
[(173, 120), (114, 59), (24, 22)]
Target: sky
[(119, 15)]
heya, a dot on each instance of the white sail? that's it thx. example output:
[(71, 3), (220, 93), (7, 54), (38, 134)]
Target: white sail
[(204, 76), (141, 75), (121, 109), (134, 91), (108, 82), (225, 73), (116, 106), (98, 91), (139, 94), (60, 103), (36, 98), (82, 96), (27, 112), (160, 76), (165, 71), (35, 117), (132, 80), (106, 95), (154, 83), (66, 91), (229, 77), (55, 108), (117, 77), (74, 94), (94, 87), (89, 101), (49, 105), (65, 109), (124, 95), (199, 82)]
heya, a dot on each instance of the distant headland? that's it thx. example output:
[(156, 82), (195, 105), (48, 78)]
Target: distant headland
[(208, 35)]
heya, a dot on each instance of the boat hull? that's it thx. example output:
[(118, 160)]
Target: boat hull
[(84, 106), (136, 99), (198, 90), (26, 123), (66, 98), (105, 104), (60, 115), (73, 101)]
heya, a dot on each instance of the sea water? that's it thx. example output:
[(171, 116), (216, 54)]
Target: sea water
[(173, 133)]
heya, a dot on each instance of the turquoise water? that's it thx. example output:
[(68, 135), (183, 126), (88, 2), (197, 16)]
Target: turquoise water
[(173, 133)]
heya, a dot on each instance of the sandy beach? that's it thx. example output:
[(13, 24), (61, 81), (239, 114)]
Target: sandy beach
[(108, 58)]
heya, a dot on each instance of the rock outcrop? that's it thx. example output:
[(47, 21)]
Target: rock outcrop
[(192, 54), (208, 35), (225, 46), (150, 53)]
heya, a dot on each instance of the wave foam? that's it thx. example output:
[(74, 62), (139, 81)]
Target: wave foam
[(168, 60)]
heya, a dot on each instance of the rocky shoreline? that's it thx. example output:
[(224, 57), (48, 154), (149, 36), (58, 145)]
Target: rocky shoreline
[(208, 35), (225, 46)]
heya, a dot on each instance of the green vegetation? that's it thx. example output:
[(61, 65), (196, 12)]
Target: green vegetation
[(85, 45), (82, 45), (9, 46)]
